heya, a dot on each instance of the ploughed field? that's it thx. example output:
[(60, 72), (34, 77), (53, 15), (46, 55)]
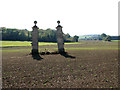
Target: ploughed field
[(88, 64)]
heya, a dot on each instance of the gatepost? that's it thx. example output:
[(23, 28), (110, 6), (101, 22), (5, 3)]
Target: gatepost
[(60, 39), (35, 39)]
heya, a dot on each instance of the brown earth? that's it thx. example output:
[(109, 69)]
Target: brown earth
[(81, 69)]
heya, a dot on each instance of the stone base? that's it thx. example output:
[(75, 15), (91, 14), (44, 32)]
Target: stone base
[(35, 51), (61, 51)]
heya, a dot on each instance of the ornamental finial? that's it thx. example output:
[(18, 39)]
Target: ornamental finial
[(58, 22), (35, 22)]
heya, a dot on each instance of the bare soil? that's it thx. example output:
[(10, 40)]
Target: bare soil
[(80, 69)]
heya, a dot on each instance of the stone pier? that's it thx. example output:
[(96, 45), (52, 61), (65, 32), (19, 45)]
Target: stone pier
[(60, 39), (35, 39)]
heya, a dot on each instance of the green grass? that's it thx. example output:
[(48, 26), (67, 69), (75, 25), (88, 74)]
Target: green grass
[(69, 48), (16, 50), (92, 48), (116, 40), (27, 43), (22, 43), (9, 46)]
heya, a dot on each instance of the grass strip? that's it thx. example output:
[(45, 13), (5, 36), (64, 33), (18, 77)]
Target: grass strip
[(28, 43), (70, 48)]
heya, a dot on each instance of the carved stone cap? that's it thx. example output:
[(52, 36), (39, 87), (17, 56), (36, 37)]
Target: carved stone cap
[(35, 22), (35, 27), (59, 26)]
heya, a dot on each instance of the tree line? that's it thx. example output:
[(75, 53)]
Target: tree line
[(102, 36), (48, 35), (106, 37)]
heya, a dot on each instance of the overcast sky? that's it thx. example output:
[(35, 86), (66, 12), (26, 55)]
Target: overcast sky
[(78, 17)]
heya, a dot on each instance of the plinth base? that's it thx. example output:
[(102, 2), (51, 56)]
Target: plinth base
[(35, 51), (61, 51)]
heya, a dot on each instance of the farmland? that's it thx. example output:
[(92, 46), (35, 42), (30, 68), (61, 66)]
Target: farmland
[(94, 65)]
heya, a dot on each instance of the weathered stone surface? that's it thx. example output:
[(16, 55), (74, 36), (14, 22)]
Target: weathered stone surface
[(60, 39), (35, 40)]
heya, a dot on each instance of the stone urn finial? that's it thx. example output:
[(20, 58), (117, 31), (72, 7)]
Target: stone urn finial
[(59, 26), (35, 26), (35, 22), (58, 22)]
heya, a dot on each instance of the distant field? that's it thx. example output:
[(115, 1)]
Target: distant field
[(116, 40), (26, 43), (25, 46)]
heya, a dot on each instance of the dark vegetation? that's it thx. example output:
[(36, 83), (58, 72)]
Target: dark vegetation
[(48, 35)]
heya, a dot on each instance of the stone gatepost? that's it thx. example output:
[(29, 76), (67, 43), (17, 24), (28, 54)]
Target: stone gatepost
[(35, 39), (60, 39)]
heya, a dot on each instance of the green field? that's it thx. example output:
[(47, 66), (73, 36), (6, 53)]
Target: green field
[(27, 43), (25, 46), (116, 40)]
